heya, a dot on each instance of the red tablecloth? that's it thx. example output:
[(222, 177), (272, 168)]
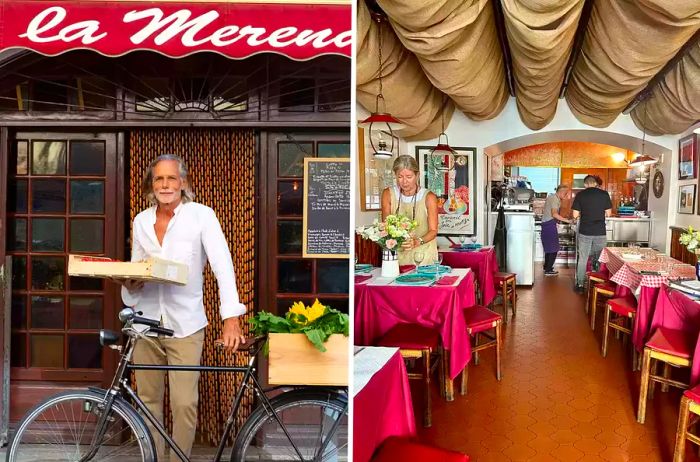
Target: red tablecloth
[(629, 281), (484, 265), (378, 308), (674, 310), (383, 408)]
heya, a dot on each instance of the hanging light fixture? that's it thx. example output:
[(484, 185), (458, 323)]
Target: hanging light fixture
[(381, 124), (642, 160), (442, 157)]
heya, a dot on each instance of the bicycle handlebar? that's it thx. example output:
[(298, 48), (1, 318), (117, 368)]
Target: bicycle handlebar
[(128, 315), (162, 331)]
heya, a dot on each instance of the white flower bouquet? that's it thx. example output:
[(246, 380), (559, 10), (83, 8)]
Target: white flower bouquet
[(691, 239), (389, 234)]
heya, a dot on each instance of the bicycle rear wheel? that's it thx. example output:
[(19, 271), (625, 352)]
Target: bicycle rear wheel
[(62, 428), (314, 419)]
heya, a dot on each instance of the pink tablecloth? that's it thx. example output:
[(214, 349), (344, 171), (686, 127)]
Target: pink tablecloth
[(484, 265), (676, 311), (629, 280), (383, 408), (378, 308)]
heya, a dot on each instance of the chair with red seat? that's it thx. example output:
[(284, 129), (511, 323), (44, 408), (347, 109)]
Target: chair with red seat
[(672, 347), (622, 309), (690, 404), (417, 342), (593, 277), (395, 449), (505, 283), (602, 289), (479, 320)]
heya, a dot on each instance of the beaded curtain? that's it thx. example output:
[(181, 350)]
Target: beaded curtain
[(221, 163)]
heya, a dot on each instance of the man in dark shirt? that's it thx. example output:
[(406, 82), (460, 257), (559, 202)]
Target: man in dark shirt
[(591, 205)]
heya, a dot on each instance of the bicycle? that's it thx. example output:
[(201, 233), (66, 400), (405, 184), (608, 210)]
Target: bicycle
[(102, 425)]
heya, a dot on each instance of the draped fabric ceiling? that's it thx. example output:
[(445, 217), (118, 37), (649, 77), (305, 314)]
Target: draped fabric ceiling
[(452, 47)]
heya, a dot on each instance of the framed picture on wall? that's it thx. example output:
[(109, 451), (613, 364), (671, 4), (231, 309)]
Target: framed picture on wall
[(686, 199), (455, 189), (375, 174), (688, 157)]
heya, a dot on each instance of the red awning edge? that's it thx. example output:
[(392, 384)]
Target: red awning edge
[(177, 29)]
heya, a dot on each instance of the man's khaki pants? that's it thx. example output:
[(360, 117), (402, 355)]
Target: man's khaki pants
[(184, 393)]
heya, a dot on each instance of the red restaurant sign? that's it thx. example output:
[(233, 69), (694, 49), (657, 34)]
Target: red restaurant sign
[(237, 30)]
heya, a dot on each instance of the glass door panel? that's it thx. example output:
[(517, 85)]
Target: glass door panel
[(291, 277), (57, 187)]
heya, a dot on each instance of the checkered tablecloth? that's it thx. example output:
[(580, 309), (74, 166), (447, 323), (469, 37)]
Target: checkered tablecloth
[(627, 273)]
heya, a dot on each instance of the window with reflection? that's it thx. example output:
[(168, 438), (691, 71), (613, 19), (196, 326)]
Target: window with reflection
[(56, 206), (49, 157)]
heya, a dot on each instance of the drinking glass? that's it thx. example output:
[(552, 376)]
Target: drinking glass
[(473, 238), (418, 258), (438, 262), (462, 239)]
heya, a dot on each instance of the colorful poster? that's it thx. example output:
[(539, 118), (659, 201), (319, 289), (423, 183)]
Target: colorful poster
[(453, 181)]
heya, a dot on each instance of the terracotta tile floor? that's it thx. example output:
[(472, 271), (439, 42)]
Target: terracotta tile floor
[(559, 398)]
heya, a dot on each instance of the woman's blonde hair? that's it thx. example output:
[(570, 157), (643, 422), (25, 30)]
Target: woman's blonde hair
[(405, 163), (147, 186)]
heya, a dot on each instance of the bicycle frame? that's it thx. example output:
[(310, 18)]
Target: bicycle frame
[(120, 386)]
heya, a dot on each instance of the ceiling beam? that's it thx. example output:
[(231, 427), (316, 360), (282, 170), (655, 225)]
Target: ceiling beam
[(578, 43), (499, 19), (670, 65)]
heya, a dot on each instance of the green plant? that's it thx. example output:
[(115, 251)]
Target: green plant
[(317, 322), (690, 239)]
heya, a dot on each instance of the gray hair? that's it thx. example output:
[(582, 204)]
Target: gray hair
[(562, 186), (405, 163), (590, 181), (187, 194)]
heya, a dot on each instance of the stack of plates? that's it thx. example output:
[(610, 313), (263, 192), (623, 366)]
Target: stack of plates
[(414, 279), (468, 247), (430, 270), (363, 268)]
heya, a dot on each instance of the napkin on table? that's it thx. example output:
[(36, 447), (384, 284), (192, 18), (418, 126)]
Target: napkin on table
[(360, 278), (447, 280)]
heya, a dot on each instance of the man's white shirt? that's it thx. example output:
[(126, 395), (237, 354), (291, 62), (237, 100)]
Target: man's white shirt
[(193, 236)]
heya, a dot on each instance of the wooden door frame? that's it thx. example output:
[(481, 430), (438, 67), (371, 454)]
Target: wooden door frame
[(114, 140), (267, 220), (5, 301)]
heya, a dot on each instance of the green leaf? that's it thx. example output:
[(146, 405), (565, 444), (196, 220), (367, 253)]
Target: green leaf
[(317, 338)]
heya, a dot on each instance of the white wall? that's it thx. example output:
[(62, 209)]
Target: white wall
[(496, 133), (680, 219)]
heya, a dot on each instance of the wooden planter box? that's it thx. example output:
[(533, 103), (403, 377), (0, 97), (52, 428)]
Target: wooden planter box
[(293, 360), (152, 270)]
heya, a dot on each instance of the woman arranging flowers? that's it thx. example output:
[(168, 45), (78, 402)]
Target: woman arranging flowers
[(408, 199)]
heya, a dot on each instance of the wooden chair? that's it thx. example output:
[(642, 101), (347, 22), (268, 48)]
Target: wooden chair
[(690, 404), (418, 342), (593, 277), (672, 347), (603, 289), (395, 449), (505, 283), (618, 313), (479, 320)]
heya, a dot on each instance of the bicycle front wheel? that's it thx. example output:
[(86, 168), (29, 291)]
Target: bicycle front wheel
[(316, 424), (63, 427)]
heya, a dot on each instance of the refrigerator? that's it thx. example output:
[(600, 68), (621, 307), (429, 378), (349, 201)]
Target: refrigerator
[(520, 244)]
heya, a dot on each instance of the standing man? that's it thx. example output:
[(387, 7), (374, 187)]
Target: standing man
[(550, 234), (176, 228), (591, 205)]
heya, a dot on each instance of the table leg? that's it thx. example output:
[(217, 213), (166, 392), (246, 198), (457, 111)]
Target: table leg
[(449, 384)]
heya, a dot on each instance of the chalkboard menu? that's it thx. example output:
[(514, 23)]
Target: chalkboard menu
[(326, 208)]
